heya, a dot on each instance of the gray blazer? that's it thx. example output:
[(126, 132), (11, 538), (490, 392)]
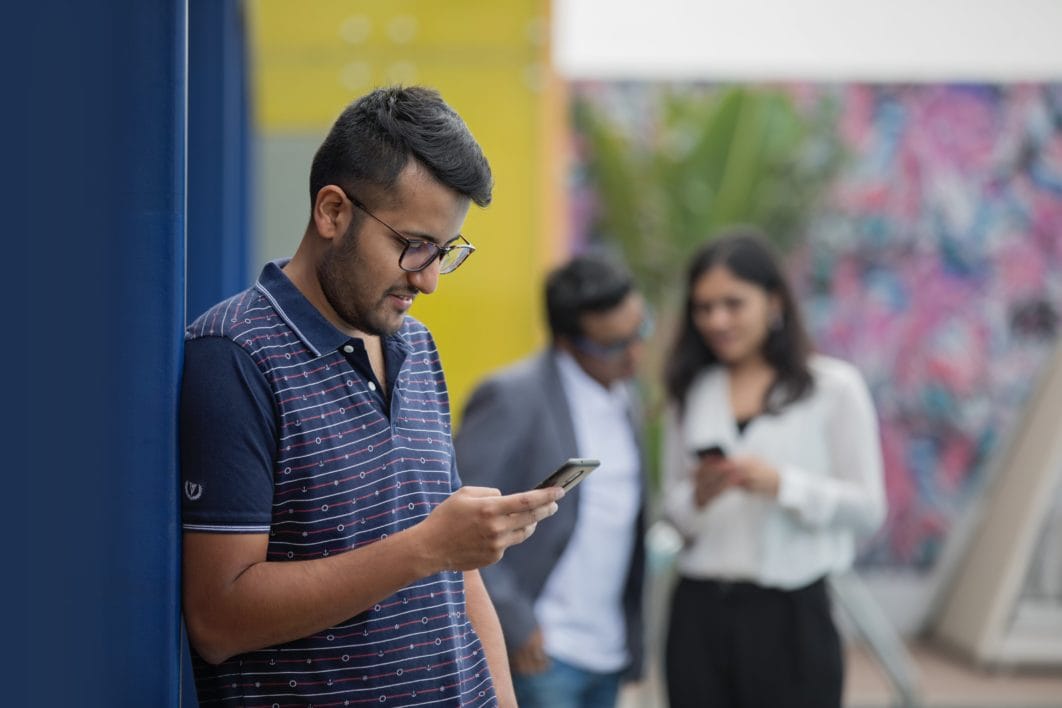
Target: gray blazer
[(515, 430)]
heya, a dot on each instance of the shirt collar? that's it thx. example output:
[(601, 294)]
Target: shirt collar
[(313, 328), (578, 380)]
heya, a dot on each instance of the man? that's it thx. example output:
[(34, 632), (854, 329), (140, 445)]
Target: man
[(569, 600), (330, 554)]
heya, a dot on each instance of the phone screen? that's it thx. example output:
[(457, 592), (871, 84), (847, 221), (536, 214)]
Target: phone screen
[(570, 473)]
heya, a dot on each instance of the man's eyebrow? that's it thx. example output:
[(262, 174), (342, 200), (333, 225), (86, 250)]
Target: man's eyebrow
[(417, 236)]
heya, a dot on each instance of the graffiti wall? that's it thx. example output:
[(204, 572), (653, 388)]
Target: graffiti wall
[(933, 261), (935, 264)]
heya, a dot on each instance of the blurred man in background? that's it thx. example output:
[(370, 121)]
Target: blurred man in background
[(570, 599)]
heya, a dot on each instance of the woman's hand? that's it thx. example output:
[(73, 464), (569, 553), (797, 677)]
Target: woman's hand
[(755, 475), (712, 476)]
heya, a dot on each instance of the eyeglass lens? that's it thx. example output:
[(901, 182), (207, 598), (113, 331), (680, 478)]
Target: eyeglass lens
[(419, 255)]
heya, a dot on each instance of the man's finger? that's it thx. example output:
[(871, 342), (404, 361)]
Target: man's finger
[(533, 516), (480, 491), (544, 512), (528, 530), (527, 501)]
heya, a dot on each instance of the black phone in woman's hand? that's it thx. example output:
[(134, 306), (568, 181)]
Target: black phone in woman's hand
[(711, 451)]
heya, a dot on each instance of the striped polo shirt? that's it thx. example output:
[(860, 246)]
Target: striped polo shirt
[(285, 430)]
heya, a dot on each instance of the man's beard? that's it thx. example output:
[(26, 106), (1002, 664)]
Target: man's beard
[(334, 272)]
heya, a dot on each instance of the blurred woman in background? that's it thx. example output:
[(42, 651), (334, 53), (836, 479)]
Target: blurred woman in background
[(772, 474)]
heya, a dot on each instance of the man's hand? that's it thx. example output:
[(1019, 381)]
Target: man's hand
[(237, 601), (531, 657), (475, 525)]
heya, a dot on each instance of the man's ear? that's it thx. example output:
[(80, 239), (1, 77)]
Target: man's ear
[(331, 213)]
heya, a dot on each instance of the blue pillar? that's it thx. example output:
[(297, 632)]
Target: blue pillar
[(93, 290), (219, 140)]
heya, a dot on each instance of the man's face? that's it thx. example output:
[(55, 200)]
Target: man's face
[(611, 346), (360, 275)]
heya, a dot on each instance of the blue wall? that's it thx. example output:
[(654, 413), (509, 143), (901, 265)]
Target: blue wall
[(94, 170), (219, 147)]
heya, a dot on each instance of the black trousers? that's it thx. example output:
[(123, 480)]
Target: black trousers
[(739, 645)]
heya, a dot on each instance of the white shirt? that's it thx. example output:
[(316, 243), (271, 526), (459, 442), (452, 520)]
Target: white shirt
[(580, 610), (831, 493)]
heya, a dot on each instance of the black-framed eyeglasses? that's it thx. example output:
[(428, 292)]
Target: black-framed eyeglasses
[(614, 350), (418, 254)]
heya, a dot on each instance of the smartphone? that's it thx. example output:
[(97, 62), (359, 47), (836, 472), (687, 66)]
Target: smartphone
[(569, 474), (710, 451)]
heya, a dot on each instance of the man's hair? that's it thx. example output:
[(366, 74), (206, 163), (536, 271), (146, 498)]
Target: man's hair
[(589, 283), (375, 137)]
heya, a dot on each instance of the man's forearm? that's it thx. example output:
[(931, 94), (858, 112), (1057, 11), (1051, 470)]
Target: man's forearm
[(485, 621), (273, 602), (236, 601)]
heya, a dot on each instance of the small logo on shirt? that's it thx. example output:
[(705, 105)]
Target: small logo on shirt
[(192, 490)]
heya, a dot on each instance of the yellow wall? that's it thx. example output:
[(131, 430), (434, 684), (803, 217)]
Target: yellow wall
[(490, 62)]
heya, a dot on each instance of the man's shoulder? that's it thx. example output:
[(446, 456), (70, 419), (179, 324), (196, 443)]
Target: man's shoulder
[(233, 316), (524, 383), (414, 331), (415, 337), (531, 371)]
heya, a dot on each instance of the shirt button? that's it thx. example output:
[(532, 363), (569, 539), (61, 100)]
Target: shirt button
[(348, 349), (372, 386)]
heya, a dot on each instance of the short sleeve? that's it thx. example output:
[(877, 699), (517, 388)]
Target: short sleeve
[(228, 442)]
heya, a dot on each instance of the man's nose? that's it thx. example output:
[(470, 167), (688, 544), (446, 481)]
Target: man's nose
[(426, 280)]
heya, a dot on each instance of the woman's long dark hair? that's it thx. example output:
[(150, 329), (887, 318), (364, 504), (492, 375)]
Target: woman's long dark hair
[(748, 255)]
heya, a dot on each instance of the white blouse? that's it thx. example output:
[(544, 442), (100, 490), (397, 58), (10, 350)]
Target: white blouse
[(831, 493)]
